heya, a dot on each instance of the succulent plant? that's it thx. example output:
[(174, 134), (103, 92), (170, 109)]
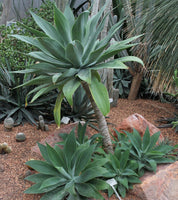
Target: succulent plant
[(4, 148)]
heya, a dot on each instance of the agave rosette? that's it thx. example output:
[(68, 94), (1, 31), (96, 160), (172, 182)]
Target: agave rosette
[(70, 53)]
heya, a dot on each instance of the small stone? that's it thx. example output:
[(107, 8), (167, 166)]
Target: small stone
[(1, 168), (46, 128), (8, 124), (20, 137), (40, 117), (42, 124)]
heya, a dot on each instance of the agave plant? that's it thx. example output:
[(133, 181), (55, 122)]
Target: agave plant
[(70, 53), (12, 101), (81, 108), (122, 169), (146, 152), (68, 173)]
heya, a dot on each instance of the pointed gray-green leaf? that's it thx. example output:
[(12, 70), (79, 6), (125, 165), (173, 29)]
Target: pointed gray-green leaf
[(69, 89), (100, 95), (74, 53), (131, 58), (146, 140), (43, 91), (69, 15), (49, 59), (85, 75), (42, 167), (57, 109), (78, 30), (53, 181), (54, 48), (55, 77), (48, 28), (114, 64), (62, 25)]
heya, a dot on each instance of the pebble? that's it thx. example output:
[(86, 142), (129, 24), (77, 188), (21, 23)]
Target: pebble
[(20, 137), (1, 168)]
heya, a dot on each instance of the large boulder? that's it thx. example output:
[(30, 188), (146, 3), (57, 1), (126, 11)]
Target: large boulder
[(162, 185), (138, 122)]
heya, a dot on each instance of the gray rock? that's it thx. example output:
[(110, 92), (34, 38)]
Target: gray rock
[(1, 168), (46, 128), (8, 124), (20, 137)]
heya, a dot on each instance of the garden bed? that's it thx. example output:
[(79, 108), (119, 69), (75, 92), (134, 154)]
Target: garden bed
[(13, 168)]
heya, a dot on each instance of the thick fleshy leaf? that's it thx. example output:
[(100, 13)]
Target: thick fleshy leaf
[(152, 164), (62, 25), (90, 174), (56, 77), (153, 139), (70, 147), (131, 58), (82, 157), (43, 91), (54, 48), (124, 159), (88, 190), (56, 194), (74, 53), (100, 95), (57, 109), (78, 30), (85, 75), (123, 181), (44, 152), (69, 15), (146, 140), (37, 178), (47, 28), (94, 56), (42, 167), (113, 50), (69, 89), (34, 189), (114, 64), (53, 156), (53, 181), (40, 56)]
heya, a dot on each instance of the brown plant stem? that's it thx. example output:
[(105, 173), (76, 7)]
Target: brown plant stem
[(101, 121)]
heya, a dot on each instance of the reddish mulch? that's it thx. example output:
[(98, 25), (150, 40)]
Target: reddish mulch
[(12, 165)]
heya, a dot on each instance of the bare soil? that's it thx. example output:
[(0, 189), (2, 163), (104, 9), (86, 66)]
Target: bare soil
[(12, 165)]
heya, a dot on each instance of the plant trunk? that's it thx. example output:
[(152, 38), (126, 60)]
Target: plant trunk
[(136, 82), (101, 121)]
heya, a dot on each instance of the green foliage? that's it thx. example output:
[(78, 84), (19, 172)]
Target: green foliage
[(81, 108), (145, 151), (14, 50), (68, 173), (122, 169), (122, 81), (81, 138), (12, 99), (70, 54)]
